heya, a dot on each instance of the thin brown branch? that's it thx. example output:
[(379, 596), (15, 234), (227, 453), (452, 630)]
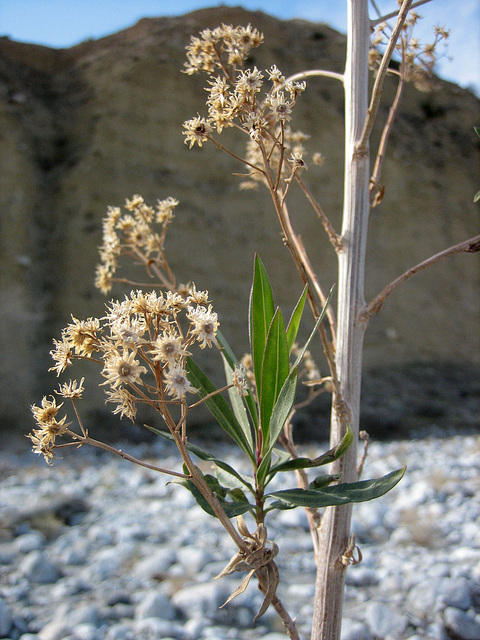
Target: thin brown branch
[(322, 297), (81, 440), (151, 265), (472, 245), (333, 236), (372, 110), (363, 435), (288, 623), (132, 283), (233, 155), (262, 576), (392, 113), (302, 263), (313, 516), (282, 155), (303, 266), (388, 16)]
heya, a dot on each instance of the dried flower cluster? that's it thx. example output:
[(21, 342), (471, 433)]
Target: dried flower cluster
[(141, 346), (417, 60), (134, 234), (235, 99), (221, 48)]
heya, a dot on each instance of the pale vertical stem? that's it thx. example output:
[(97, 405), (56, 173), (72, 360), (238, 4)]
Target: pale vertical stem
[(335, 526)]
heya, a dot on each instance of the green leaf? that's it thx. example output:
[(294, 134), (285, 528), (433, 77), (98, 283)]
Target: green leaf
[(281, 455), (326, 458), (295, 318), (324, 480), (263, 471), (232, 361), (232, 508), (275, 370), (317, 324), (282, 407), (339, 494), (229, 480), (261, 314), (218, 406), (343, 446), (204, 455), (238, 405)]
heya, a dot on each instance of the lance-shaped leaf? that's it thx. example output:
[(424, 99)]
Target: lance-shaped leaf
[(232, 508), (280, 413), (275, 370), (326, 458), (261, 314), (314, 330), (294, 322), (232, 361), (204, 455), (339, 494), (282, 409), (324, 480), (218, 406), (238, 405)]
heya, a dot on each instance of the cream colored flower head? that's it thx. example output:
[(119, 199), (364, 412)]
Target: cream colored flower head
[(81, 336), (226, 46), (125, 402), (62, 354), (205, 324), (71, 389), (46, 414), (197, 130), (177, 383), (239, 379), (168, 348), (46, 417), (122, 368)]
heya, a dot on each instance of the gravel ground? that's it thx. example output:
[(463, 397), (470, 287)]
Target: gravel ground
[(95, 548)]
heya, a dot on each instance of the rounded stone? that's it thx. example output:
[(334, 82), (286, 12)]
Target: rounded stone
[(121, 631), (460, 624), (353, 630), (86, 614), (34, 541), (158, 628), (434, 594), (86, 631), (199, 599), (155, 605), (193, 559), (155, 565), (56, 630), (37, 567), (383, 621), (5, 618)]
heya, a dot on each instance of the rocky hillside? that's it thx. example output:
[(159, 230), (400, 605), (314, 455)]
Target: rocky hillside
[(89, 126)]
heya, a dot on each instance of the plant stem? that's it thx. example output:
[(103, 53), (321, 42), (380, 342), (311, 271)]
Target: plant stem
[(377, 170), (310, 73), (387, 16), (198, 480), (334, 531), (377, 91), (81, 440), (472, 245)]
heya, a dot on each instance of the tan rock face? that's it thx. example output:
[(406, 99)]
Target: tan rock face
[(88, 127)]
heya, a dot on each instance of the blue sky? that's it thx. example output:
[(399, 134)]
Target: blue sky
[(63, 23)]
